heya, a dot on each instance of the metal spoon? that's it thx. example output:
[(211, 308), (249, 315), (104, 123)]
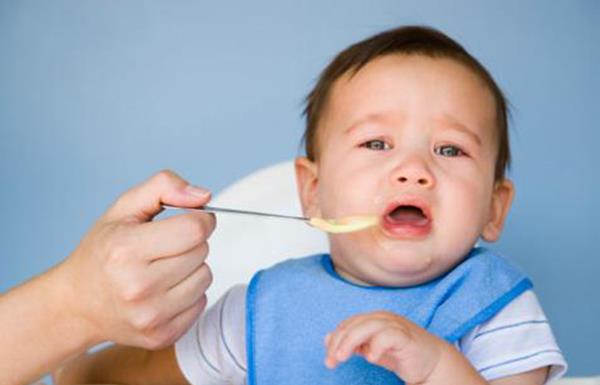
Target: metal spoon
[(340, 225)]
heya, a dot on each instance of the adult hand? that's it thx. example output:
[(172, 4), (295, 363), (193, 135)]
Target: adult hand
[(141, 282), (131, 280)]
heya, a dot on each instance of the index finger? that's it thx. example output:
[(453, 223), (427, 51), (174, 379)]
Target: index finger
[(174, 235)]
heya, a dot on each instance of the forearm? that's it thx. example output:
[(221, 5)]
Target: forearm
[(123, 365), (454, 368), (38, 329)]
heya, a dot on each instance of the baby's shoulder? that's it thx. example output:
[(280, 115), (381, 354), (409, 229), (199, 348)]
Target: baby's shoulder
[(517, 339), (524, 309)]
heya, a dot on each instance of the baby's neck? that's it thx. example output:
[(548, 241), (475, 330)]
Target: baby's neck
[(350, 278)]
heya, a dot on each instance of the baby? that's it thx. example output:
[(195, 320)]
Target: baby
[(408, 126)]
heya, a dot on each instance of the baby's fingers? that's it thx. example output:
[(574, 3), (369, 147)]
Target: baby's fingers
[(394, 338), (346, 341), (332, 339)]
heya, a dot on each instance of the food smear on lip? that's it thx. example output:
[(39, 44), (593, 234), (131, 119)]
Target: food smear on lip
[(345, 224)]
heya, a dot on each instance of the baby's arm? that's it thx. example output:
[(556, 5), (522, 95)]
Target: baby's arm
[(415, 355), (537, 376), (123, 365)]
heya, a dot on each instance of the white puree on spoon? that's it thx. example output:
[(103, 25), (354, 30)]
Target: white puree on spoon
[(344, 224)]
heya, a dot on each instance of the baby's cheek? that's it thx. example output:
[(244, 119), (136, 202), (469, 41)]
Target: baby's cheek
[(466, 218), (332, 201), (339, 198)]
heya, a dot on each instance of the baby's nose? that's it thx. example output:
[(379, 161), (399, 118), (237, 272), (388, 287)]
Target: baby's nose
[(424, 181), (413, 171)]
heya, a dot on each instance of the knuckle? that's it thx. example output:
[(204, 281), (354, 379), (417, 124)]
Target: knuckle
[(146, 321), (204, 250), (134, 292), (139, 322), (169, 334), (343, 326), (117, 254), (161, 337), (164, 177), (206, 275), (151, 342), (209, 274), (210, 222), (383, 315), (194, 229), (406, 331), (122, 200), (198, 256), (202, 304), (400, 329), (117, 249)]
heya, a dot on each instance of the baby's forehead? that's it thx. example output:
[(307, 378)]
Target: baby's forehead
[(412, 86), (405, 73)]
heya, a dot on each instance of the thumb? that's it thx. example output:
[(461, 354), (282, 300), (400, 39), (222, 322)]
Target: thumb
[(144, 201)]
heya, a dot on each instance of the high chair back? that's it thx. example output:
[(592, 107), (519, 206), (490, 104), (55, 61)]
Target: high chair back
[(242, 245)]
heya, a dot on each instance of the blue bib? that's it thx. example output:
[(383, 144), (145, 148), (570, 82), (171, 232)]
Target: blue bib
[(294, 304)]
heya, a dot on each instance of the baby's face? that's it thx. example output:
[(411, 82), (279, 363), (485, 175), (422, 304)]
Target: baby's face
[(411, 139)]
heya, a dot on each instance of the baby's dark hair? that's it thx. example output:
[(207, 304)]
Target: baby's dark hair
[(408, 40)]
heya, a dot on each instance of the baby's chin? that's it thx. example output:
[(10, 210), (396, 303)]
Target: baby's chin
[(383, 270), (373, 276), (401, 271), (397, 266)]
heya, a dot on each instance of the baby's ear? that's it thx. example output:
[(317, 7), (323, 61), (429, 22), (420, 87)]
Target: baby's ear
[(307, 180), (502, 197)]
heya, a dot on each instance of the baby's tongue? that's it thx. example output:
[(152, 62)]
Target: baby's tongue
[(408, 215)]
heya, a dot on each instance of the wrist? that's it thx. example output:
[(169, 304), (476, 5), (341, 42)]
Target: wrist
[(69, 313), (453, 364), (40, 329)]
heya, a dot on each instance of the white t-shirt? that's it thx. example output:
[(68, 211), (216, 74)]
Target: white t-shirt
[(516, 340)]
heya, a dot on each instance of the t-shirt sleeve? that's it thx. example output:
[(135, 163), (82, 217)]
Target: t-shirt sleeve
[(213, 351), (516, 340)]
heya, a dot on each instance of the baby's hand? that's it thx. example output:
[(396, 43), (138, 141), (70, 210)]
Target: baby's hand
[(388, 340)]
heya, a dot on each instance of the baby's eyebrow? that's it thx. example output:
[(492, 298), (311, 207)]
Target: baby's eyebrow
[(449, 120), (458, 126), (367, 119)]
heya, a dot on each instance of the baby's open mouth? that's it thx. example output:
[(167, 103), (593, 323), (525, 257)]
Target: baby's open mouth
[(408, 220), (408, 215)]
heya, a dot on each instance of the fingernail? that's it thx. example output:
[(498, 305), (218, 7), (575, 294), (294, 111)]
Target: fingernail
[(197, 191)]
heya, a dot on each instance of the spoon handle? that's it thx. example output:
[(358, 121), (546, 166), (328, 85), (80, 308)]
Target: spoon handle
[(212, 209)]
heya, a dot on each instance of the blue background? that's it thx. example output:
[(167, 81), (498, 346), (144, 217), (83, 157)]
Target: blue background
[(96, 96)]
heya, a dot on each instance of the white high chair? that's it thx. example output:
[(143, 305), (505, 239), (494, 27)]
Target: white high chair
[(242, 245)]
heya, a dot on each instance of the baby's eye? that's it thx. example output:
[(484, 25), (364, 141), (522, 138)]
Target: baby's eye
[(376, 145), (448, 150)]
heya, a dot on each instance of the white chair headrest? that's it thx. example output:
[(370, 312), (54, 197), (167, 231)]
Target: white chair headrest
[(242, 245)]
